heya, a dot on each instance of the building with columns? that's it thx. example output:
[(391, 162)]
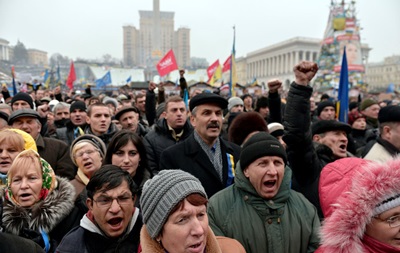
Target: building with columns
[(381, 74), (37, 57), (4, 50), (154, 38)]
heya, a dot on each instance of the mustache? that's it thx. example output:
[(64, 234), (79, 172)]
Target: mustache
[(213, 124)]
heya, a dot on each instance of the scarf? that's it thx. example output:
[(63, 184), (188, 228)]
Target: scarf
[(374, 246), (82, 177)]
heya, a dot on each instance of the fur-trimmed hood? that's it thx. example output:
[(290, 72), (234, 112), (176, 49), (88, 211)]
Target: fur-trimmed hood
[(45, 214), (350, 189)]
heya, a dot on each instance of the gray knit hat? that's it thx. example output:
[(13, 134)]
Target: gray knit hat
[(162, 193), (89, 138), (234, 101)]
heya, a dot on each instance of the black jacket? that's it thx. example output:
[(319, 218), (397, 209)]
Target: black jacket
[(190, 157), (305, 158), (158, 139)]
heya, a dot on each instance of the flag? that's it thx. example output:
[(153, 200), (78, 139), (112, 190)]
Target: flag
[(186, 98), (216, 76), (254, 82), (105, 80), (167, 64), (46, 79), (71, 76), (227, 64), (390, 88), (58, 74), (128, 81), (212, 68), (13, 80), (233, 79), (342, 105)]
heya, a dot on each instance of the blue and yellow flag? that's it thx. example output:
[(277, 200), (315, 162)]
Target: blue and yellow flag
[(342, 105), (233, 79)]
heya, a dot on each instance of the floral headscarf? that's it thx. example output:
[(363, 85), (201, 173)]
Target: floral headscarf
[(48, 176)]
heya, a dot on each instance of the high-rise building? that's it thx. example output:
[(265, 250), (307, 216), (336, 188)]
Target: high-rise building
[(154, 38)]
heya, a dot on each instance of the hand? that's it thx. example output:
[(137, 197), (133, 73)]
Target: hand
[(43, 110), (181, 72), (304, 72), (274, 85), (152, 86), (161, 86)]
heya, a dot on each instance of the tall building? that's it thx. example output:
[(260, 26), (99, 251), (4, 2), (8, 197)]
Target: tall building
[(382, 74), (154, 38)]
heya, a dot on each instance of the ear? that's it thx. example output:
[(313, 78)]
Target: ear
[(193, 120), (89, 203), (87, 119), (316, 138), (246, 172), (386, 132)]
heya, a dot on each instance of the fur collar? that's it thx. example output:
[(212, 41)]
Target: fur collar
[(344, 229), (45, 214), (148, 245)]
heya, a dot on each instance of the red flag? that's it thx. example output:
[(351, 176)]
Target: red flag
[(167, 64), (212, 68), (71, 77), (227, 64)]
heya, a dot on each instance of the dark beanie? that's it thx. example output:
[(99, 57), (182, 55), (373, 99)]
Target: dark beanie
[(23, 96), (259, 145), (77, 105), (244, 124), (261, 103), (390, 113), (324, 104), (367, 103)]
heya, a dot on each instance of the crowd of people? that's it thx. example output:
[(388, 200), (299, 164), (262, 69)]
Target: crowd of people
[(156, 173)]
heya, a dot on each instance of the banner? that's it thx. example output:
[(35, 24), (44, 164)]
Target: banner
[(167, 64), (343, 97), (227, 64), (211, 69), (71, 76)]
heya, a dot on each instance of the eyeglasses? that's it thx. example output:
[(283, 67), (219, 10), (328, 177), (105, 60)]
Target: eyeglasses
[(105, 202), (393, 221), (81, 153)]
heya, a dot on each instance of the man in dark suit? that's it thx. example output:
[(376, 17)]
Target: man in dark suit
[(204, 153)]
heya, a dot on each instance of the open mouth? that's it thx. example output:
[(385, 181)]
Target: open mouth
[(114, 221), (25, 195), (87, 164), (343, 147), (270, 183)]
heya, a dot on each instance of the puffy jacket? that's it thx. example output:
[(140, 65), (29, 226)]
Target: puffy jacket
[(286, 223), (160, 138)]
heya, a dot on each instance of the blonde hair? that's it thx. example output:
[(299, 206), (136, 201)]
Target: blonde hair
[(24, 160), (80, 145), (12, 139)]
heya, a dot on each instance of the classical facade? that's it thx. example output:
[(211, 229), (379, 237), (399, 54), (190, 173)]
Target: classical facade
[(37, 57), (4, 50), (380, 75), (155, 37)]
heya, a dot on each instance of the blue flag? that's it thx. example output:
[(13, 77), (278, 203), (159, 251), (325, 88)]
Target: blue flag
[(390, 88), (128, 81), (105, 80), (343, 93), (186, 98)]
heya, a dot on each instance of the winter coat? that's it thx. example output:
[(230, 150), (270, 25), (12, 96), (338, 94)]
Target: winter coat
[(381, 151), (15, 244), (160, 138), (88, 238), (214, 244), (286, 223), (190, 157), (67, 133), (56, 153), (47, 214), (305, 158), (350, 189)]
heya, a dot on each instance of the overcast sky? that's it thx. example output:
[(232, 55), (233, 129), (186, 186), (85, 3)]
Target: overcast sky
[(91, 28)]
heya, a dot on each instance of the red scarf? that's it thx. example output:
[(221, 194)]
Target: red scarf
[(374, 246)]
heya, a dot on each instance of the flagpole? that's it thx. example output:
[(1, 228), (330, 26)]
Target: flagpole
[(231, 84)]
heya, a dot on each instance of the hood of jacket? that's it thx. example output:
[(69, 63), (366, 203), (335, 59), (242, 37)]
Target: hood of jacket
[(280, 198), (350, 189), (45, 214)]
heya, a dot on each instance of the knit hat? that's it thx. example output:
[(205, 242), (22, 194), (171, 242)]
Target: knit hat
[(80, 105), (234, 101), (367, 103), (244, 124), (162, 193), (355, 116), (207, 98), (160, 109), (23, 96), (323, 104), (89, 138), (390, 113), (323, 126), (109, 100), (259, 145), (275, 129)]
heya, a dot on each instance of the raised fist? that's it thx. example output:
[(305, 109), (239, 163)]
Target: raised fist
[(274, 85), (304, 72)]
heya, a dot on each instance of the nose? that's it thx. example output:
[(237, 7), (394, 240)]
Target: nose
[(115, 207), (271, 170), (24, 183), (197, 228), (3, 153)]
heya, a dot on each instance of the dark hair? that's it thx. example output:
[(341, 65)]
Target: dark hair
[(172, 99), (90, 107), (194, 199), (109, 177), (119, 140)]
